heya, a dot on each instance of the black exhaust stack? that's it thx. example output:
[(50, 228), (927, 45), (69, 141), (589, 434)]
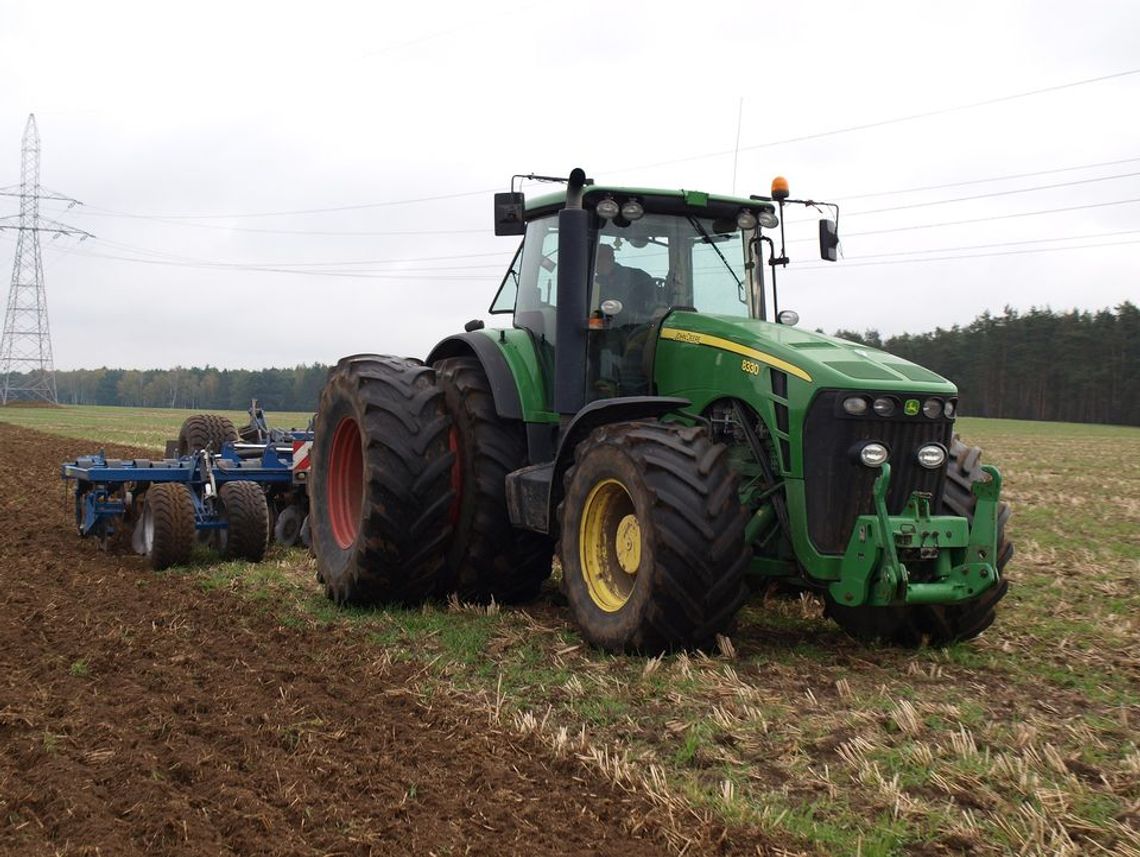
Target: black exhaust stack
[(573, 299)]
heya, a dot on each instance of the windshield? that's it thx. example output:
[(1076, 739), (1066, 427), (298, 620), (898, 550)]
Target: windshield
[(671, 260)]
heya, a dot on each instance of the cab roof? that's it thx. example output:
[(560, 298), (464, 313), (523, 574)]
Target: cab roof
[(693, 198)]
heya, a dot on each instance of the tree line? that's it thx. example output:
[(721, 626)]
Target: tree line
[(1076, 366), (200, 389)]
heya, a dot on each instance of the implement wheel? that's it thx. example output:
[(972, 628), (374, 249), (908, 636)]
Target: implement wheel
[(205, 430), (934, 624), (652, 548), (488, 558), (287, 528), (167, 526), (380, 488), (246, 513)]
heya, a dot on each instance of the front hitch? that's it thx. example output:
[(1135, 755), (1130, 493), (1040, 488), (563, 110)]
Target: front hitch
[(959, 559)]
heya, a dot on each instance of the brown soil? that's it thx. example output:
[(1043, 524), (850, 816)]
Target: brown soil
[(141, 714)]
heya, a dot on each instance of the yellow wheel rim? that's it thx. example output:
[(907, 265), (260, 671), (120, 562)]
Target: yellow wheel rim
[(609, 545)]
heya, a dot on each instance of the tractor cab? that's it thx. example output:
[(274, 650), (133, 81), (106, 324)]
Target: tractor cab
[(647, 253)]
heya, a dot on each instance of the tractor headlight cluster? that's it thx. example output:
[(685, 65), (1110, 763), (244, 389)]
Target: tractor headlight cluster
[(748, 219), (632, 210), (931, 455), (608, 208), (888, 406), (885, 406), (873, 454)]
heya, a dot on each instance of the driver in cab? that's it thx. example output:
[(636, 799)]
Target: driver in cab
[(632, 286), (619, 357)]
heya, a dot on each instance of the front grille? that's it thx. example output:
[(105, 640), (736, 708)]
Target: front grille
[(838, 489)]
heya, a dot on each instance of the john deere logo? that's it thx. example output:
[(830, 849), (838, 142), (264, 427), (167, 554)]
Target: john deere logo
[(911, 407)]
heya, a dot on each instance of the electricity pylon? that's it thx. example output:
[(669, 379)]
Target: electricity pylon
[(26, 367)]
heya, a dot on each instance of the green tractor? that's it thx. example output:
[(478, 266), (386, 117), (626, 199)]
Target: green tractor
[(653, 419)]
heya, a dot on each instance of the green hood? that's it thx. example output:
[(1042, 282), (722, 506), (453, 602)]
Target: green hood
[(825, 360)]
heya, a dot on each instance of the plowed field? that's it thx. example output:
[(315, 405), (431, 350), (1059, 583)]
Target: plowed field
[(142, 714)]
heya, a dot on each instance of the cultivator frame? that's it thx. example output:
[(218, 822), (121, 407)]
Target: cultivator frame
[(110, 493)]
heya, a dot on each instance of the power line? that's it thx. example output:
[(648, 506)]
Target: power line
[(975, 197), (501, 254), (411, 274), (893, 121), (177, 222), (973, 220), (972, 256), (999, 244), (96, 211), (846, 130), (992, 194), (330, 233), (988, 180)]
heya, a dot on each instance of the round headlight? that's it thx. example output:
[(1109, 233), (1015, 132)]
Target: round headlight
[(855, 405), (873, 454), (931, 456), (768, 219), (632, 210), (608, 209), (789, 317), (884, 406), (932, 408), (746, 219), (949, 408)]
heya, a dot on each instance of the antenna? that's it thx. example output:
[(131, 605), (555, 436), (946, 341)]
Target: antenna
[(736, 151), (26, 367)]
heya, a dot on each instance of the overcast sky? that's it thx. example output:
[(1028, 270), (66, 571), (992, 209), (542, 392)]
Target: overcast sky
[(173, 122)]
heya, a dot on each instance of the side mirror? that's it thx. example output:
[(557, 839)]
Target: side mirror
[(509, 210), (828, 240)]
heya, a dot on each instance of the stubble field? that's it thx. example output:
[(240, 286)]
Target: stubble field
[(231, 707)]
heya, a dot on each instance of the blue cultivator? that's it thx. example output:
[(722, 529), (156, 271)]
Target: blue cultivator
[(224, 499)]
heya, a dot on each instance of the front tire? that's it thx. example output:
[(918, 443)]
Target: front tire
[(381, 482), (652, 538), (488, 557), (167, 524), (938, 624)]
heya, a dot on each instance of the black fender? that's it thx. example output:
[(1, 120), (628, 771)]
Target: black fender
[(596, 414), (504, 390)]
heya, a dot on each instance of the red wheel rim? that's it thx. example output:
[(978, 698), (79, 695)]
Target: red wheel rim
[(456, 476), (346, 482)]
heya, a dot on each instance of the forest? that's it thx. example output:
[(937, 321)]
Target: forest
[(1076, 366)]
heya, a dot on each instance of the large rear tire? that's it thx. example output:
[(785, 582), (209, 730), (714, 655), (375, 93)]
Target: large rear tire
[(935, 624), (167, 535), (652, 538), (246, 513), (381, 482), (205, 430), (488, 557)]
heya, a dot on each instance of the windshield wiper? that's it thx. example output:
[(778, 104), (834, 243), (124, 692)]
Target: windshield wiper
[(708, 240)]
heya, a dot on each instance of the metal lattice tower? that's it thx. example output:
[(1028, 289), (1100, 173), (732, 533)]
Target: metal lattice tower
[(26, 367)]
